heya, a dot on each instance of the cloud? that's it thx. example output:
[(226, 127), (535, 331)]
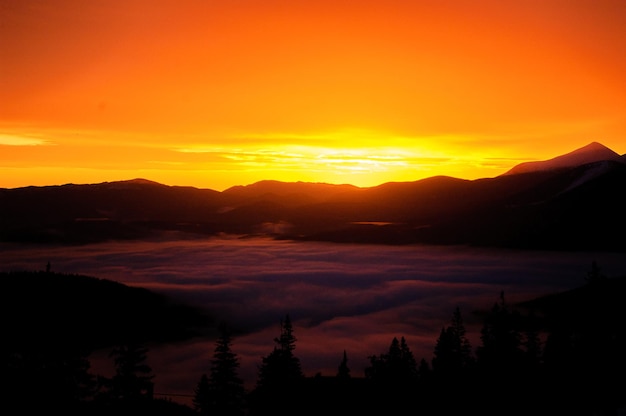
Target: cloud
[(19, 140)]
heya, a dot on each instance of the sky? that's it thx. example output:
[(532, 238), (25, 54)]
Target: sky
[(220, 93)]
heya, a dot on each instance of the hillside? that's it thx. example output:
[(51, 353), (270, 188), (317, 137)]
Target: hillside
[(74, 311)]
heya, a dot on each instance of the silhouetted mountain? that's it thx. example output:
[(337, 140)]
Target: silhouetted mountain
[(593, 152), (293, 193), (571, 202)]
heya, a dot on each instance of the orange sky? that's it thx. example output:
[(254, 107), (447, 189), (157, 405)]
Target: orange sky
[(228, 92)]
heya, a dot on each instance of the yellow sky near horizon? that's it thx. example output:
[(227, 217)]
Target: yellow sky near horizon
[(214, 94)]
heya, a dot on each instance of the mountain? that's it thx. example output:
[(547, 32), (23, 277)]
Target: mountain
[(593, 152), (571, 202)]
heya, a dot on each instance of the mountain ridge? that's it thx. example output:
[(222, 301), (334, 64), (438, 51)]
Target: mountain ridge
[(593, 152), (566, 208)]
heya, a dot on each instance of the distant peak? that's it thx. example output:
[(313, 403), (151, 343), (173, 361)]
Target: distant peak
[(593, 146), (141, 181), (130, 183), (593, 152)]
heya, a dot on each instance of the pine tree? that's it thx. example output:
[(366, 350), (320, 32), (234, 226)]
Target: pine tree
[(424, 372), (409, 364), (280, 377), (286, 341), (343, 371), (501, 358), (281, 366), (60, 376), (394, 378), (453, 352), (133, 377), (532, 345), (501, 341), (202, 396), (595, 275), (226, 390), (398, 366)]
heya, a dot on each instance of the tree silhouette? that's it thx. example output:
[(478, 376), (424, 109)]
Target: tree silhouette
[(225, 392), (281, 366), (132, 380), (424, 371), (393, 377), (500, 359), (453, 352), (595, 275), (396, 367), (409, 364), (280, 377), (501, 340), (45, 378), (532, 345), (343, 371), (202, 396)]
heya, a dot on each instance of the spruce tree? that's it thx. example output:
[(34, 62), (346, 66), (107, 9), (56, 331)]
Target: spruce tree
[(409, 364), (202, 396), (343, 371), (500, 359), (280, 377), (532, 345), (226, 392), (281, 367), (133, 376), (393, 377), (453, 352), (397, 367), (595, 275), (501, 341)]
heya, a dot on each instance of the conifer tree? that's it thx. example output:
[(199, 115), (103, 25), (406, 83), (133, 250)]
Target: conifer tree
[(202, 396), (424, 371), (501, 341), (409, 364), (453, 352), (394, 378), (278, 387), (281, 366), (532, 345), (500, 358), (226, 392), (343, 371), (398, 366), (595, 275), (133, 376)]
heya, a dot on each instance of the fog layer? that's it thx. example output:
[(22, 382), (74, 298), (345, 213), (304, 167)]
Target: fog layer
[(339, 296)]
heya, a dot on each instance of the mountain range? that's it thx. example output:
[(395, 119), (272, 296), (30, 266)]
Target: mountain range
[(574, 201)]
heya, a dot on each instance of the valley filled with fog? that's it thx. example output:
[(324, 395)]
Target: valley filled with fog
[(351, 297)]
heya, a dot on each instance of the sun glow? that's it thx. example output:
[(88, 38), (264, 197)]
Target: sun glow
[(363, 158), (216, 94)]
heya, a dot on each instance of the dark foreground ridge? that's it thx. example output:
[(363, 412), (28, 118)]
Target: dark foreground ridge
[(89, 313)]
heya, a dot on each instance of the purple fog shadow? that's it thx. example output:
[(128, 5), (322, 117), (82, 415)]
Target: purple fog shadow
[(339, 297)]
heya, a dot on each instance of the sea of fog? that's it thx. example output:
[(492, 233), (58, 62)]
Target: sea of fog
[(339, 296)]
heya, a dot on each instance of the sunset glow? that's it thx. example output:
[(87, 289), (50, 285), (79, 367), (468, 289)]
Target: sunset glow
[(214, 94)]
